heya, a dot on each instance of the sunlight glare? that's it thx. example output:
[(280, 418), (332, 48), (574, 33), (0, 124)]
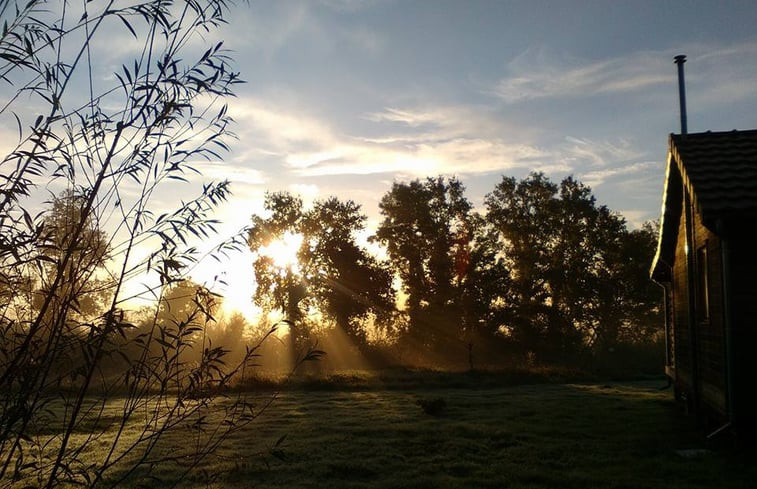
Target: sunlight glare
[(283, 250)]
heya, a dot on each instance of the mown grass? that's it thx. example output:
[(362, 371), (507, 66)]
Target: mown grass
[(579, 435), (403, 378), (620, 435)]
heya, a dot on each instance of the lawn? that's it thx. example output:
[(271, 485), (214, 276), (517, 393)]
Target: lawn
[(616, 435)]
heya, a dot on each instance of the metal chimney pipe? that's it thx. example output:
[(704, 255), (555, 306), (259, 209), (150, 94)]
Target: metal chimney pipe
[(680, 60)]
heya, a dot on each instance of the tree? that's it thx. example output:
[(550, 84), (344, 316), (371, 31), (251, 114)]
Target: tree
[(629, 302), (427, 233), (576, 276), (521, 214), (180, 302), (333, 274), (229, 334), (278, 285), (110, 142), (484, 280), (79, 288), (345, 280)]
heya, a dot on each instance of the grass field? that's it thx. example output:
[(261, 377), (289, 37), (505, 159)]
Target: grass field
[(618, 435)]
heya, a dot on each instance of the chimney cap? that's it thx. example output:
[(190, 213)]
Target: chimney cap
[(681, 58)]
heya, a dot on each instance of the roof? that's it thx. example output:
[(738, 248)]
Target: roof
[(719, 171)]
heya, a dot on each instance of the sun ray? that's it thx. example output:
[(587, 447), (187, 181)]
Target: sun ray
[(283, 250)]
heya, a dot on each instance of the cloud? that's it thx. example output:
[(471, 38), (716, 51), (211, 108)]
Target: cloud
[(636, 218), (599, 153), (598, 177), (271, 33), (348, 5), (282, 127), (728, 72), (468, 155), (722, 75), (412, 118), (442, 140), (315, 28), (308, 192), (234, 173), (538, 73), (447, 121)]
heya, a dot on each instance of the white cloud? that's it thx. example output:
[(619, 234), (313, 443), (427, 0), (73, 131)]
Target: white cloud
[(467, 155), (348, 5), (636, 218), (270, 34), (303, 25), (308, 192), (599, 153), (453, 140), (412, 118), (538, 73), (726, 73), (715, 53), (234, 173), (721, 75), (280, 126), (446, 121), (598, 177)]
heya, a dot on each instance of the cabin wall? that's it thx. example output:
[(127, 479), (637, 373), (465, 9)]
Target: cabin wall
[(670, 338), (680, 303), (699, 347), (710, 328), (743, 292)]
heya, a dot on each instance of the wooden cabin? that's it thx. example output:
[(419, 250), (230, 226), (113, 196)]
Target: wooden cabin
[(706, 262)]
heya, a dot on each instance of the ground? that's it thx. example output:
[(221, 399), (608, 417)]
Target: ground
[(603, 435)]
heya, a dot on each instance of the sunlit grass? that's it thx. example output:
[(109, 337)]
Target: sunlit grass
[(548, 436), (366, 431)]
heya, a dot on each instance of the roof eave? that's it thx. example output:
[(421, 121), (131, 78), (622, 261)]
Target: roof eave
[(670, 215)]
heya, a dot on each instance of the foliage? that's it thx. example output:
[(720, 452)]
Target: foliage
[(109, 141), (343, 276), (579, 276), (427, 233), (546, 274), (333, 273), (88, 293), (277, 288)]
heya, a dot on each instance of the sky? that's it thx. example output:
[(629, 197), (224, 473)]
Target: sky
[(344, 97)]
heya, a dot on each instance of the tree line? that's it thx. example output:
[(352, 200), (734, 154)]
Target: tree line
[(542, 273)]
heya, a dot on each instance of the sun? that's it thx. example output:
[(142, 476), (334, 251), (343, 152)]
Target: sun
[(283, 250)]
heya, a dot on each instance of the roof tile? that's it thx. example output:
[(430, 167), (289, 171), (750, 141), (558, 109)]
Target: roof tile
[(720, 168)]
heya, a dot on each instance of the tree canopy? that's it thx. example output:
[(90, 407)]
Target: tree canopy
[(543, 269), (333, 274)]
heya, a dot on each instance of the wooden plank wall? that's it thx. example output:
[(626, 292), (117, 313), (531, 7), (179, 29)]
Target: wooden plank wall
[(744, 324), (680, 311), (709, 332)]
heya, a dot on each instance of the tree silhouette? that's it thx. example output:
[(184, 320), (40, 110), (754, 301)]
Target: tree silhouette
[(277, 288), (485, 289), (522, 215), (427, 233), (346, 281), (79, 288), (575, 284), (334, 274)]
